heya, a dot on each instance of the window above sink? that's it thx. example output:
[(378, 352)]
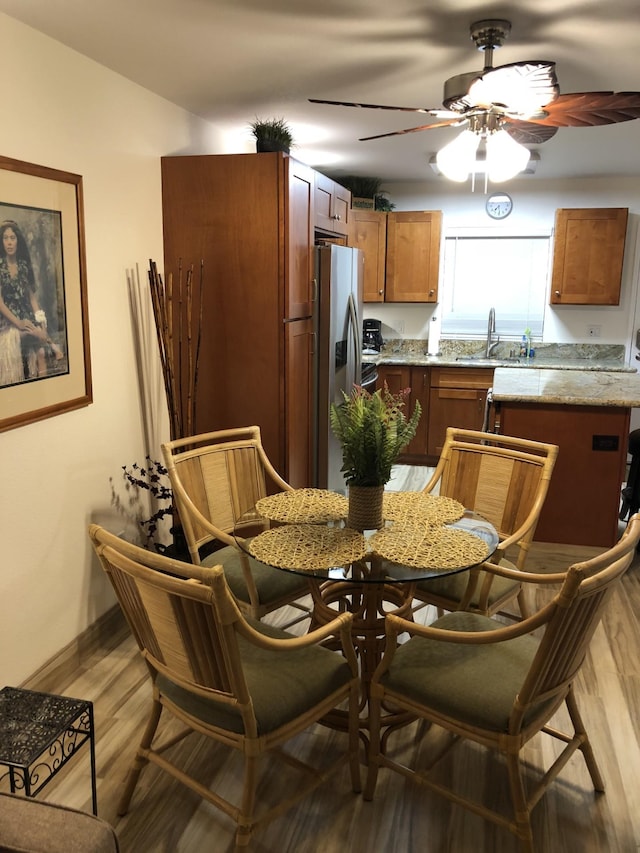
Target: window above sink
[(507, 271)]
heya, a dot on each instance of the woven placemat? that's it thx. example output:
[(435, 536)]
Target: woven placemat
[(308, 547), (311, 506), (430, 547), (420, 507)]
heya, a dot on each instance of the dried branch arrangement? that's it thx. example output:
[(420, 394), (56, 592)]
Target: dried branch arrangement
[(178, 318)]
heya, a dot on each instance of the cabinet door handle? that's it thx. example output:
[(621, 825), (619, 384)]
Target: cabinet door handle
[(337, 216), (557, 293)]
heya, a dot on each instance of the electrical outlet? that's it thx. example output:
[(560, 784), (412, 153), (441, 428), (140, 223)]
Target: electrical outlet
[(593, 331)]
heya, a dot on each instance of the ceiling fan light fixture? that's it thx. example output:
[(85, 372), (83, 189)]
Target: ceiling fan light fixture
[(457, 159), (505, 157)]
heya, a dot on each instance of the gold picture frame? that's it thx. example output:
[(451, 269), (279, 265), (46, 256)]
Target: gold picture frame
[(45, 366)]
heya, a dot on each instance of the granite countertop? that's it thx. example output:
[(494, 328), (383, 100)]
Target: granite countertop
[(604, 388), (584, 357)]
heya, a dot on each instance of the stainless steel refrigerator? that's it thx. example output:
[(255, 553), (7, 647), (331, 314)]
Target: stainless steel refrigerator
[(338, 351)]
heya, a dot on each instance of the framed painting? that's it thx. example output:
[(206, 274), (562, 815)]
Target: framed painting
[(45, 366)]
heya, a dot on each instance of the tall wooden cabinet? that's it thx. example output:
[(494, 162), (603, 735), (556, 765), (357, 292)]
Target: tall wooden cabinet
[(250, 219), (401, 252)]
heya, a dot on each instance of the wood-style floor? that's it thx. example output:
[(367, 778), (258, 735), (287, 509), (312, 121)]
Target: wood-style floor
[(165, 816)]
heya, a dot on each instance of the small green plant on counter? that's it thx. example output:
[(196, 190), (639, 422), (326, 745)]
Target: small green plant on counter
[(372, 430)]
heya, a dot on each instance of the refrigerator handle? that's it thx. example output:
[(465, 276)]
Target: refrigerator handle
[(353, 314)]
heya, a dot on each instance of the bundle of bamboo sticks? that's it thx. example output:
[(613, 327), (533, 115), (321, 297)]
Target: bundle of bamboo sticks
[(178, 318)]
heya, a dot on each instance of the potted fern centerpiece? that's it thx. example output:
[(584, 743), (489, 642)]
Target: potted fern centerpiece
[(372, 430)]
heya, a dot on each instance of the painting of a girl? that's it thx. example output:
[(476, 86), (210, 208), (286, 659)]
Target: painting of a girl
[(25, 342)]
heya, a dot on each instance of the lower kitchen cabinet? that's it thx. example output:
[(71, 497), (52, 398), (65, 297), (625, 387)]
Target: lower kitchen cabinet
[(458, 398), (417, 379)]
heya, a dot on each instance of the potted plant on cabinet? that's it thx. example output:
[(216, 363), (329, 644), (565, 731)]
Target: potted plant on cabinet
[(372, 430), (272, 135)]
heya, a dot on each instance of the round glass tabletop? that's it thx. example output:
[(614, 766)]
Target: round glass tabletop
[(316, 543)]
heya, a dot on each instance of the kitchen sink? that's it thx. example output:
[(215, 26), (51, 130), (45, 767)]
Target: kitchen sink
[(491, 359)]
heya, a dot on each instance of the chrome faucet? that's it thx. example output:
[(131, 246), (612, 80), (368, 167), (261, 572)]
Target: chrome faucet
[(491, 329)]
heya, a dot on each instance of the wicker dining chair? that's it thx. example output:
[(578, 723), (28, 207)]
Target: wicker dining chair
[(505, 480), (240, 682), (216, 477), (498, 684)]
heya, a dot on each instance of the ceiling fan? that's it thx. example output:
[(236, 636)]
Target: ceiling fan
[(522, 99)]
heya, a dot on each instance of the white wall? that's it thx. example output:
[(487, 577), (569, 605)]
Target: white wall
[(534, 204), (65, 112)]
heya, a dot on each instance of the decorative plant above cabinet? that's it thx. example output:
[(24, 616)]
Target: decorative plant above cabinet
[(272, 135)]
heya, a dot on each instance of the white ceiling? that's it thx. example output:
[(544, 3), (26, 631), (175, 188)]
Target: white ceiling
[(232, 60)]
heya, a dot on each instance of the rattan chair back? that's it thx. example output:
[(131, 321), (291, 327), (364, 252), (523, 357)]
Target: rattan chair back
[(504, 479), (499, 685), (245, 685), (216, 477)]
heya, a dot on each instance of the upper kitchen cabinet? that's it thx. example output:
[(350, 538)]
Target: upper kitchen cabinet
[(332, 206), (402, 254), (369, 233), (587, 256), (249, 219)]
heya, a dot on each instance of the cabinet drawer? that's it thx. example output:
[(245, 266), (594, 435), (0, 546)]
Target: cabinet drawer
[(461, 377)]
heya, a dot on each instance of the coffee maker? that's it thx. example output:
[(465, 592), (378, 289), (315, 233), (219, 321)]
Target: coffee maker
[(372, 335)]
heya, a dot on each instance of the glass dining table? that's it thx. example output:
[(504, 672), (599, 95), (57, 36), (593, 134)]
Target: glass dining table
[(367, 573)]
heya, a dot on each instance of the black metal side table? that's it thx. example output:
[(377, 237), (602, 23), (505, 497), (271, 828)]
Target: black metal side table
[(39, 734)]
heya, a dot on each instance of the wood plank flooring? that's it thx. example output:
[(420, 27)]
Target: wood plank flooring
[(165, 816)]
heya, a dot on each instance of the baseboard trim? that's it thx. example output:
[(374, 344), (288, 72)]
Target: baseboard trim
[(107, 632)]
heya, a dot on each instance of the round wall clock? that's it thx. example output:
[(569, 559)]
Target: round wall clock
[(499, 205)]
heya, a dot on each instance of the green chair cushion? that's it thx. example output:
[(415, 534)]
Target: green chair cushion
[(282, 685), (453, 587), (271, 584), (474, 684)]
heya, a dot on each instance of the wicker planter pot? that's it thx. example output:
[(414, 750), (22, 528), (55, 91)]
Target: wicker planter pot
[(365, 507)]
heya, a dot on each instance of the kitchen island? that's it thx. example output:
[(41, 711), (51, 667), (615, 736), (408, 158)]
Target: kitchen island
[(587, 414)]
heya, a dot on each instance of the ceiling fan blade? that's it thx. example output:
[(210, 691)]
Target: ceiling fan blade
[(590, 109), (523, 88), (372, 106), (453, 121), (527, 132)]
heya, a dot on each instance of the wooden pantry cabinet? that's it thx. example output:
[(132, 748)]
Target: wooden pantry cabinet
[(587, 256), (250, 219), (402, 254)]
